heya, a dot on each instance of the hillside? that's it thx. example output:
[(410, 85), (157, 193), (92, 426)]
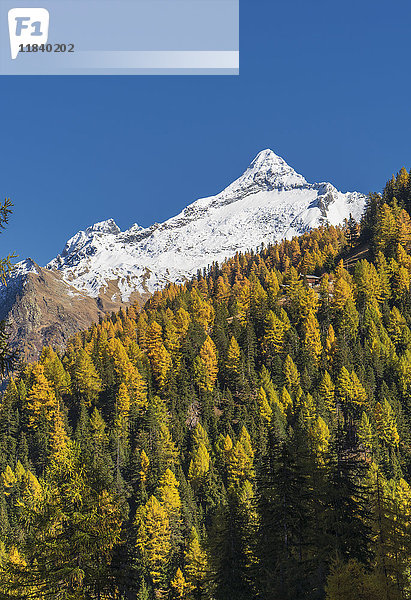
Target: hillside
[(44, 309), (246, 435), (105, 268)]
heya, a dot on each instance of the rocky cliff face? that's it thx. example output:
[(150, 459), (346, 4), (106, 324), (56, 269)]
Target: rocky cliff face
[(43, 309), (102, 268)]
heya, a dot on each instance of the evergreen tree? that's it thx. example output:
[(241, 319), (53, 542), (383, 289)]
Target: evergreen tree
[(7, 356)]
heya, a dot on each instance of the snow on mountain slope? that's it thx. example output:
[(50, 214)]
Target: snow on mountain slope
[(269, 202)]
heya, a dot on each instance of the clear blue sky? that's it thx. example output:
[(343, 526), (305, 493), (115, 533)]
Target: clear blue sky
[(325, 84)]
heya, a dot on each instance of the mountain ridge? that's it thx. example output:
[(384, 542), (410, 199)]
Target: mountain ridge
[(270, 193), (103, 268)]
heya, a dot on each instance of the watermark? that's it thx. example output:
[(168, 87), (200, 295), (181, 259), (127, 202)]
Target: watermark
[(119, 37), (27, 26)]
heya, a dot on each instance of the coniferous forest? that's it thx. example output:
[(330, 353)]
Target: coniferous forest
[(245, 435)]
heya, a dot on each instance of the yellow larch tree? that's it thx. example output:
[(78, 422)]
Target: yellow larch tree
[(122, 409), (169, 497), (206, 365), (326, 392), (199, 464), (153, 539), (54, 371), (319, 438), (85, 379), (312, 337), (330, 344), (202, 311), (141, 328), (127, 373), (286, 401), (404, 229), (41, 399), (266, 411), (195, 561), (159, 356), (232, 364), (291, 374), (240, 461), (274, 334), (386, 425), (386, 228), (167, 448), (182, 322), (144, 467), (179, 585), (244, 302), (272, 287)]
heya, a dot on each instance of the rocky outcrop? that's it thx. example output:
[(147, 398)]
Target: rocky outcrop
[(43, 309)]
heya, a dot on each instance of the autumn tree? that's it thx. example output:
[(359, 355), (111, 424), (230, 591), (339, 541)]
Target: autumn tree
[(205, 365)]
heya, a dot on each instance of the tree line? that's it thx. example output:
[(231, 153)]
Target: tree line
[(244, 435)]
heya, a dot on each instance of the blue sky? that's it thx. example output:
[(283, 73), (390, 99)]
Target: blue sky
[(324, 84)]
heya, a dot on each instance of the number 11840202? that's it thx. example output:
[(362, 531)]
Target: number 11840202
[(46, 48)]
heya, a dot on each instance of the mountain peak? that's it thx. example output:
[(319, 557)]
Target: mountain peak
[(272, 169), (24, 267), (268, 158), (267, 172), (108, 226)]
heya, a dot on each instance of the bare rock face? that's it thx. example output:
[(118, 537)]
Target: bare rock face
[(43, 309)]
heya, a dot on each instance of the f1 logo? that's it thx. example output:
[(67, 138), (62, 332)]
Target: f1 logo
[(27, 26)]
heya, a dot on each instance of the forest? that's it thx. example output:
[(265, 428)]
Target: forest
[(244, 435)]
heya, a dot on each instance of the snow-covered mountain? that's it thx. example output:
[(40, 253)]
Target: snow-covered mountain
[(102, 267), (270, 201)]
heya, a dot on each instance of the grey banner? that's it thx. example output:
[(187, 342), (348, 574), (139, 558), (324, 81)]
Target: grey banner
[(69, 37)]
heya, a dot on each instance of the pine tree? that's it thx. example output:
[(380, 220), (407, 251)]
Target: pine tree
[(229, 560), (346, 517), (364, 433), (8, 356), (122, 409)]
